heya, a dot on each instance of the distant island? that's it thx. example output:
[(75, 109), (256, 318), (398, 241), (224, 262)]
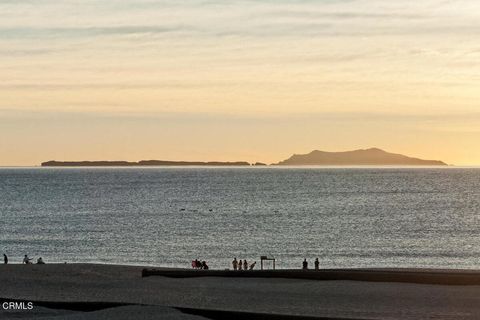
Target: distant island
[(372, 156), (139, 163)]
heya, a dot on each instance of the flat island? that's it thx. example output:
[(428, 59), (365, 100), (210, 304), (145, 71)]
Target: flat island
[(141, 163)]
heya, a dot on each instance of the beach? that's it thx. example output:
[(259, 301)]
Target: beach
[(94, 291)]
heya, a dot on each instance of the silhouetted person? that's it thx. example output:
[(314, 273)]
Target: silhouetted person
[(253, 265), (198, 264), (204, 265), (40, 261), (305, 264), (245, 265), (235, 264), (5, 259), (317, 264), (27, 260), (240, 265)]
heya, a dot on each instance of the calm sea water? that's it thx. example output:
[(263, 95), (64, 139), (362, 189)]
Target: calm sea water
[(357, 217)]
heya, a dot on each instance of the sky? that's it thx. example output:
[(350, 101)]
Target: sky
[(250, 80)]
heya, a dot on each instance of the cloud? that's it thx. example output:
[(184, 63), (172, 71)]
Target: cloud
[(293, 117), (235, 18), (19, 32), (263, 45)]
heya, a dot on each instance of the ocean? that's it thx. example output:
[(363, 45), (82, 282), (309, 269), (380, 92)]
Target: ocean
[(168, 216)]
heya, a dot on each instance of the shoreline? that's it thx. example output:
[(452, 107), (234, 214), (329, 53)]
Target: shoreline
[(115, 291), (413, 275), (418, 276)]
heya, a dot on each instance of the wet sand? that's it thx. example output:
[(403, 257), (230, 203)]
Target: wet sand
[(61, 291)]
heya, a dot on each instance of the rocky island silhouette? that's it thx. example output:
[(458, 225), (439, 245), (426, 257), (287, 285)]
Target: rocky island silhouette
[(372, 156)]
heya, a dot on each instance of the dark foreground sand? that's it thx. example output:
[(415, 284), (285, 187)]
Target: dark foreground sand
[(66, 291)]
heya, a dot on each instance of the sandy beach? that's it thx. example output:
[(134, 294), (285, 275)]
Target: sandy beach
[(89, 291)]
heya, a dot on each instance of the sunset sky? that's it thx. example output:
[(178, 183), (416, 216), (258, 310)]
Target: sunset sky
[(253, 80)]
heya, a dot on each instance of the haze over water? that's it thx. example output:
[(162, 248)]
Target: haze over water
[(348, 217)]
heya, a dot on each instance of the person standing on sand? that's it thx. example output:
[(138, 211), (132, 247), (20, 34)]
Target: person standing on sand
[(240, 265), (245, 264), (235, 264), (317, 264), (305, 264), (5, 259)]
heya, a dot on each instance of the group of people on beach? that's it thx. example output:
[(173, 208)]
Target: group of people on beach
[(26, 260), (242, 265), (316, 264), (197, 264)]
